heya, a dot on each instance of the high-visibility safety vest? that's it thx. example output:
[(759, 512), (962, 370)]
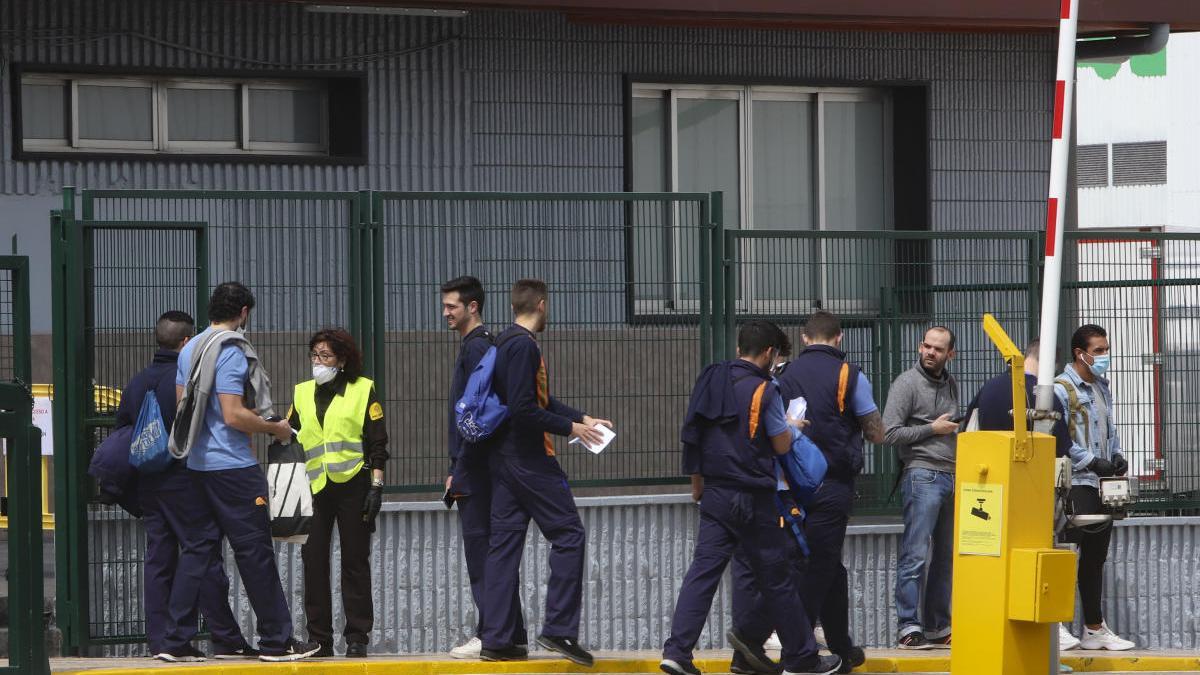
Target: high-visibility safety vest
[(333, 450)]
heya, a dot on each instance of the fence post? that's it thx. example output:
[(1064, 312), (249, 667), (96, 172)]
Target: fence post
[(27, 640)]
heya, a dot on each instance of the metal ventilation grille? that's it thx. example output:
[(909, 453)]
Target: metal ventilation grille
[(1091, 165), (1140, 163)]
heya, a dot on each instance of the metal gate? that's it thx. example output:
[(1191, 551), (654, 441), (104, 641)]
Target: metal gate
[(21, 503), (120, 259)]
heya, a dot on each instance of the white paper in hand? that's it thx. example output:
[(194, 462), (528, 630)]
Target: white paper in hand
[(607, 436), (797, 408)]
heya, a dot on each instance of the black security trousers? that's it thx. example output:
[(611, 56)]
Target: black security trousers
[(1093, 551), (340, 503)]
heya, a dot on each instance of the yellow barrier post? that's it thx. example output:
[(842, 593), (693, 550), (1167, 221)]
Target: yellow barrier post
[(1009, 580)]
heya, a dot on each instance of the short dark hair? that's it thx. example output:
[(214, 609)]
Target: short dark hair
[(342, 343), (227, 301), (759, 335), (468, 288), (945, 330), (173, 327), (1083, 335), (526, 294), (1033, 348), (822, 326)]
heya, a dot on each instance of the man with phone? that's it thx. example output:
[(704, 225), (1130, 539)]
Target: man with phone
[(921, 421)]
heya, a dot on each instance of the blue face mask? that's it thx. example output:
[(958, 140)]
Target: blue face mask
[(1099, 365)]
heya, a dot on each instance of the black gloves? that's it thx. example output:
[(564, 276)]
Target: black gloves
[(1120, 466), (371, 506), (1103, 467)]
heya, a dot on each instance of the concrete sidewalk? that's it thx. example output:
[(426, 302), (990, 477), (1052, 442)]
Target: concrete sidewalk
[(541, 663)]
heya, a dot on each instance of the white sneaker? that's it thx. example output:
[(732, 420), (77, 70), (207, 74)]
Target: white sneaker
[(1103, 638), (468, 650), (819, 635), (1066, 641), (773, 642)]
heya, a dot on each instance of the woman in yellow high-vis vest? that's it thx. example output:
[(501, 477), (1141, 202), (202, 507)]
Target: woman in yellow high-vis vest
[(339, 420)]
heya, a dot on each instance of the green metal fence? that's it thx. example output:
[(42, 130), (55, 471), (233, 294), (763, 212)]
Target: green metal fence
[(645, 288), (22, 507), (887, 287), (629, 315)]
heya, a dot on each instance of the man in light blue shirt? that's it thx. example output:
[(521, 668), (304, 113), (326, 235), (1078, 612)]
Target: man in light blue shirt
[(233, 493)]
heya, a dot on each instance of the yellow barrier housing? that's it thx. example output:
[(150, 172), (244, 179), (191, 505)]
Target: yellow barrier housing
[(1009, 580)]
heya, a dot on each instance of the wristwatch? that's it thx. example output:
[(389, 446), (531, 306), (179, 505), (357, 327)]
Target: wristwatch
[(376, 483)]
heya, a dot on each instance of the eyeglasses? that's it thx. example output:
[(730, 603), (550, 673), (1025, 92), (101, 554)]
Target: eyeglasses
[(324, 356)]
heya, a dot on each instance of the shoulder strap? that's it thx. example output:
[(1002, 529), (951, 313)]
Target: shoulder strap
[(1075, 408), (485, 335), (843, 385)]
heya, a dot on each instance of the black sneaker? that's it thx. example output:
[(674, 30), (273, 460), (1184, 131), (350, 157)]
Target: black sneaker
[(914, 640), (504, 654), (568, 647), (939, 643), (243, 652), (851, 659), (755, 656), (678, 667), (740, 666), (325, 652), (184, 654), (295, 651), (824, 665), (356, 650)]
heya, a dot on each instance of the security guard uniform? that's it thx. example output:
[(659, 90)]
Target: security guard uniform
[(340, 424)]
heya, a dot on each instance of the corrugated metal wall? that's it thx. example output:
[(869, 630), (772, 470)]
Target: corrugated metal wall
[(638, 551), (526, 101)]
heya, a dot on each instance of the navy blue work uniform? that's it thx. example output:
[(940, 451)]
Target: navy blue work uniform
[(829, 385), (527, 482), (738, 513), (994, 404), (471, 485), (167, 500)]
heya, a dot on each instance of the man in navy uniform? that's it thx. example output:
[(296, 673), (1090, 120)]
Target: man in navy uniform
[(841, 412), (735, 426), (166, 500), (527, 482), (468, 482)]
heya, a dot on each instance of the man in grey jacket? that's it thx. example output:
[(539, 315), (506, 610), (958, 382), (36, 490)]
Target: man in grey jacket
[(921, 421)]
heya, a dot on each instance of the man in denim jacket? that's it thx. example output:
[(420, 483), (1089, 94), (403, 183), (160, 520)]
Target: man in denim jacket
[(1084, 393)]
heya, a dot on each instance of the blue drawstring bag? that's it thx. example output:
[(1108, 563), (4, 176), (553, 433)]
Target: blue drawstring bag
[(148, 452), (804, 468), (479, 412)]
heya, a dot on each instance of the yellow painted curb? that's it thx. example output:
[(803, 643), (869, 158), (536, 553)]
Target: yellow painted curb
[(1100, 664), (383, 666)]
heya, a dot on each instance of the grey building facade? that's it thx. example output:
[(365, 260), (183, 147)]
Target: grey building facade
[(523, 101)]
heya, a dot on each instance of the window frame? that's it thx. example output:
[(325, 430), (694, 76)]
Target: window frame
[(274, 147), (78, 142), (745, 95), (46, 144), (169, 145), (350, 149)]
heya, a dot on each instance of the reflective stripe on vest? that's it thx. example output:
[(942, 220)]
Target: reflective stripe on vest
[(333, 450)]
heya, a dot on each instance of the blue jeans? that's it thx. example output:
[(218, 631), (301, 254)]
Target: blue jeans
[(928, 498)]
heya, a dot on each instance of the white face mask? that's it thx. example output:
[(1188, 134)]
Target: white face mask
[(323, 373)]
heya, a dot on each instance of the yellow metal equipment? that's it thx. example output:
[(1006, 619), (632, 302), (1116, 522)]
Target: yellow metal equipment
[(1009, 580), (107, 399)]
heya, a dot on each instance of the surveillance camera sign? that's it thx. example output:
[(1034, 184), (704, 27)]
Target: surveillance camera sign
[(980, 513)]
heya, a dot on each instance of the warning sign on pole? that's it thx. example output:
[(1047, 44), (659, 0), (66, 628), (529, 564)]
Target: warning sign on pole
[(980, 513)]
